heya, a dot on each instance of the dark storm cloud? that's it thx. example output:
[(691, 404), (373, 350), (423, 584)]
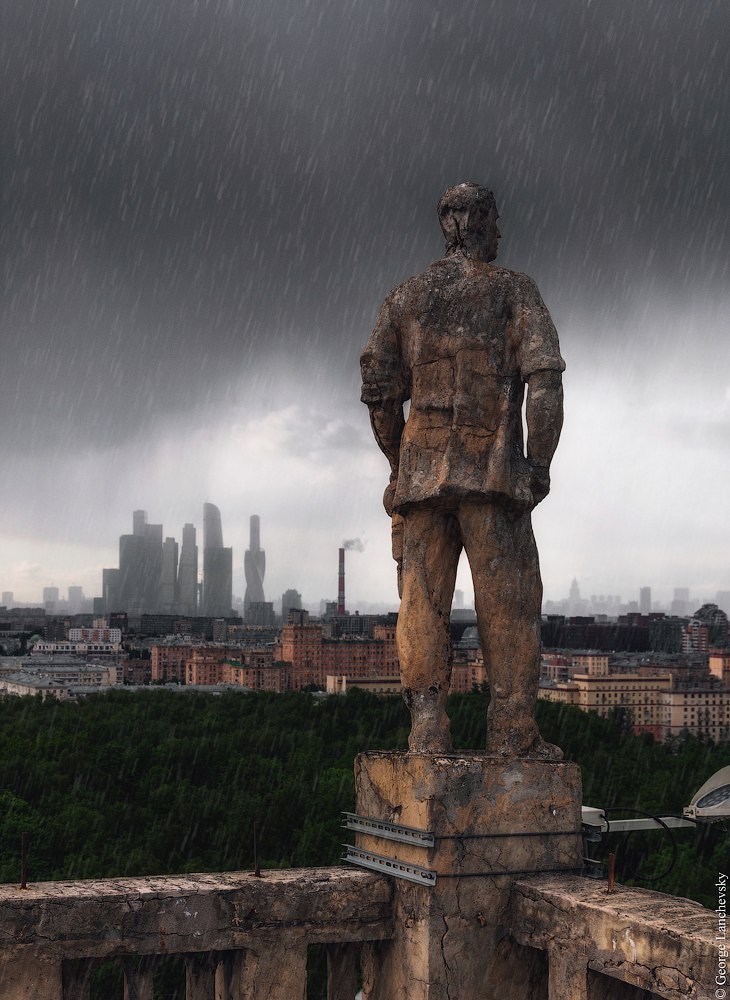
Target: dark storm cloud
[(190, 188)]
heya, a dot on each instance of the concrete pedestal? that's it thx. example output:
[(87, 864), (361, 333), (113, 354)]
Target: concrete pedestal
[(491, 819)]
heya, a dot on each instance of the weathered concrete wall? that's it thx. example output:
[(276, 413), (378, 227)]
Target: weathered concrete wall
[(263, 926), (663, 944), (193, 912), (478, 937), (492, 817)]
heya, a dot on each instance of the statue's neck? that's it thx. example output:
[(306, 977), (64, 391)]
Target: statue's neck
[(471, 252)]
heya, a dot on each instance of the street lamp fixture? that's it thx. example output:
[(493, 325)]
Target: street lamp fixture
[(712, 802)]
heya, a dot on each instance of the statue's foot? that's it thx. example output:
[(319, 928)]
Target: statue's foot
[(523, 746), (430, 726), (539, 749), (542, 750), (425, 739)]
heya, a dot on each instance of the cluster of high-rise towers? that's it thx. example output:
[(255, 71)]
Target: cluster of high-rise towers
[(156, 575)]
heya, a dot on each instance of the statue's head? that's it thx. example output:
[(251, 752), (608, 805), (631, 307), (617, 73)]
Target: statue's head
[(468, 216)]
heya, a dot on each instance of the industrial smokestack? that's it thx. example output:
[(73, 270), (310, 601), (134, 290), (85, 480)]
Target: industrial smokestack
[(341, 585)]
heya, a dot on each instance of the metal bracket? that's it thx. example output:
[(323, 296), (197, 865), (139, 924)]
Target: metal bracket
[(592, 834), (389, 866), (592, 868), (388, 831)]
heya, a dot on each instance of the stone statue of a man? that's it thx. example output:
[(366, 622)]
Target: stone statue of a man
[(463, 341)]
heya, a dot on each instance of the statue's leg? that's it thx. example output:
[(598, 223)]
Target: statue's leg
[(431, 548), (508, 596)]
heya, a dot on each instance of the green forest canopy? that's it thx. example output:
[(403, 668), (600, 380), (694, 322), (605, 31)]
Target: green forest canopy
[(161, 782)]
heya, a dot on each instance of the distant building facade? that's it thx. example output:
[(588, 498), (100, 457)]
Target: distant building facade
[(56, 677), (50, 599), (719, 664), (291, 600), (655, 704), (168, 577), (254, 566), (168, 662), (217, 566), (702, 711), (601, 694), (645, 600), (260, 614), (313, 656), (187, 573)]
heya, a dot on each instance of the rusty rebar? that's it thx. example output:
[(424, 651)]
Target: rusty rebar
[(24, 841), (256, 858), (611, 872)]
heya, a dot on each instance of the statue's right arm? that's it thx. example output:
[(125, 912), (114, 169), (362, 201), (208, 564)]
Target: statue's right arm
[(385, 385), (541, 367), (544, 418)]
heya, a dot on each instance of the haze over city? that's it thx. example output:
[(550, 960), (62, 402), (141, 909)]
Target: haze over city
[(205, 204)]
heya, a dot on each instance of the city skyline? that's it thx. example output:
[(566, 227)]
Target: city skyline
[(204, 208), (648, 598)]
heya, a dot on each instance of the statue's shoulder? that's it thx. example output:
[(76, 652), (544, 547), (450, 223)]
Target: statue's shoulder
[(440, 272), (515, 279), (422, 280), (454, 267), (449, 272), (404, 295)]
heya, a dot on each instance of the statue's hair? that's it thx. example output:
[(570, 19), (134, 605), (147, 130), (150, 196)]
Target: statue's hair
[(457, 199)]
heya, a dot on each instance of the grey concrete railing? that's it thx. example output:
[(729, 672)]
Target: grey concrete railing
[(629, 944), (563, 937), (240, 936)]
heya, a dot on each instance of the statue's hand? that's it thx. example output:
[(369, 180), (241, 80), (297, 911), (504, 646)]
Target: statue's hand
[(539, 483), (389, 497)]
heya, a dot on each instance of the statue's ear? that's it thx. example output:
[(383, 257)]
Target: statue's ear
[(453, 224), (448, 226)]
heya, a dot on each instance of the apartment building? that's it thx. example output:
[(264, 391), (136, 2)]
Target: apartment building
[(313, 657), (168, 662), (640, 696), (702, 711), (655, 704)]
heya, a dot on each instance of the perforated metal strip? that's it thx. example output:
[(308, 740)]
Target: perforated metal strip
[(388, 831), (389, 866)]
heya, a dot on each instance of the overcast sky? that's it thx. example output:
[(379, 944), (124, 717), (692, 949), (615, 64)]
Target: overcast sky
[(205, 201)]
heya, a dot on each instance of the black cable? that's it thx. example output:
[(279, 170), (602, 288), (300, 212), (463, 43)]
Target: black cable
[(657, 819), (517, 833), (511, 871)]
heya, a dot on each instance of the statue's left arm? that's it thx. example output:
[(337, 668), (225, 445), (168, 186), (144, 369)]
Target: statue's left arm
[(541, 366)]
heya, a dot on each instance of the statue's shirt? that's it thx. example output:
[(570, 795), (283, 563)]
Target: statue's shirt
[(460, 341)]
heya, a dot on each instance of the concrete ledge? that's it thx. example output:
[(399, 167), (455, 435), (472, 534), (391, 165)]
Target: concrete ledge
[(252, 934), (663, 944), (193, 913)]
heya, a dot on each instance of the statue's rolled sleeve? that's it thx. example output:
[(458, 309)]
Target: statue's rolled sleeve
[(384, 379), (537, 346)]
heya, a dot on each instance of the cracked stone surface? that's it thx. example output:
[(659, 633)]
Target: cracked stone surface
[(452, 942), (662, 944), (266, 922)]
